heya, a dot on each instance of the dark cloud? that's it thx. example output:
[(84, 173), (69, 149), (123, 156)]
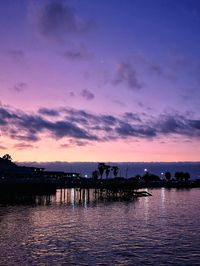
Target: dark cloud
[(25, 127), (127, 75), (195, 124), (6, 115), (179, 125), (128, 130), (61, 129), (48, 112), (88, 95), (82, 128), (26, 137), (56, 19), (169, 124), (109, 120)]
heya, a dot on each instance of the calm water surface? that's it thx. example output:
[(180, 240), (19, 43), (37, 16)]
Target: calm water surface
[(73, 228)]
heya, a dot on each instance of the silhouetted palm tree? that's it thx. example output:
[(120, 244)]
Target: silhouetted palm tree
[(168, 176), (115, 170), (107, 167), (101, 168), (7, 157), (95, 174)]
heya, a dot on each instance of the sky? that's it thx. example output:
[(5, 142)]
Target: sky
[(100, 80)]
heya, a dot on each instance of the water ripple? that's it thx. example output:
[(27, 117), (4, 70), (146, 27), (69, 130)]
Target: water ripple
[(150, 231)]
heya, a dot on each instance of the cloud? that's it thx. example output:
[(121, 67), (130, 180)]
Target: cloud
[(48, 112), (88, 95), (178, 124), (156, 68), (2, 147), (128, 130), (74, 142), (125, 74), (23, 146), (20, 87), (80, 128), (80, 53), (74, 55), (72, 94), (120, 103), (109, 120), (56, 19), (27, 136), (131, 117), (17, 55), (26, 127), (195, 124)]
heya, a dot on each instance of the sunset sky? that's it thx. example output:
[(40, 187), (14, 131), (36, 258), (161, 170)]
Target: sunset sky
[(100, 80)]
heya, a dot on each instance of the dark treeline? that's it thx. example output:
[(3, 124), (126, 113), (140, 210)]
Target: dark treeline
[(105, 175)]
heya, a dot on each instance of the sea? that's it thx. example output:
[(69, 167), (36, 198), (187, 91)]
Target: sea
[(126, 169), (74, 227)]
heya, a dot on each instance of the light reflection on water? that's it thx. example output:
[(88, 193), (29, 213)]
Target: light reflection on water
[(74, 227)]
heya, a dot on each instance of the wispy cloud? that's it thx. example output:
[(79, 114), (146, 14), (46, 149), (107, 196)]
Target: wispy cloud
[(126, 75), (120, 103), (20, 86), (23, 146), (74, 142), (76, 54), (2, 147), (48, 112), (56, 19), (17, 55), (88, 95), (72, 94)]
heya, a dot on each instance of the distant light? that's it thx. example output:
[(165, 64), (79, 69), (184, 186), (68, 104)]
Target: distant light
[(162, 173), (73, 175), (145, 170), (86, 176)]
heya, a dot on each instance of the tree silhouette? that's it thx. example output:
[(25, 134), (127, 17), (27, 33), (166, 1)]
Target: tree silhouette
[(168, 176), (7, 157), (146, 177), (101, 168), (186, 176), (179, 176), (107, 168), (95, 174), (115, 170)]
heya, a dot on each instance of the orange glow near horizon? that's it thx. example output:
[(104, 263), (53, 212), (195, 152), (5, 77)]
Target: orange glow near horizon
[(115, 151)]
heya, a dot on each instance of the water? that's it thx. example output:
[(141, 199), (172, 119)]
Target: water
[(75, 228)]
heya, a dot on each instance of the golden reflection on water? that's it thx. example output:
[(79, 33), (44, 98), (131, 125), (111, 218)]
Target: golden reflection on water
[(162, 194), (77, 196), (146, 208)]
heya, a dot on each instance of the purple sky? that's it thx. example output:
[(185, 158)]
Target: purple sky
[(100, 80)]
